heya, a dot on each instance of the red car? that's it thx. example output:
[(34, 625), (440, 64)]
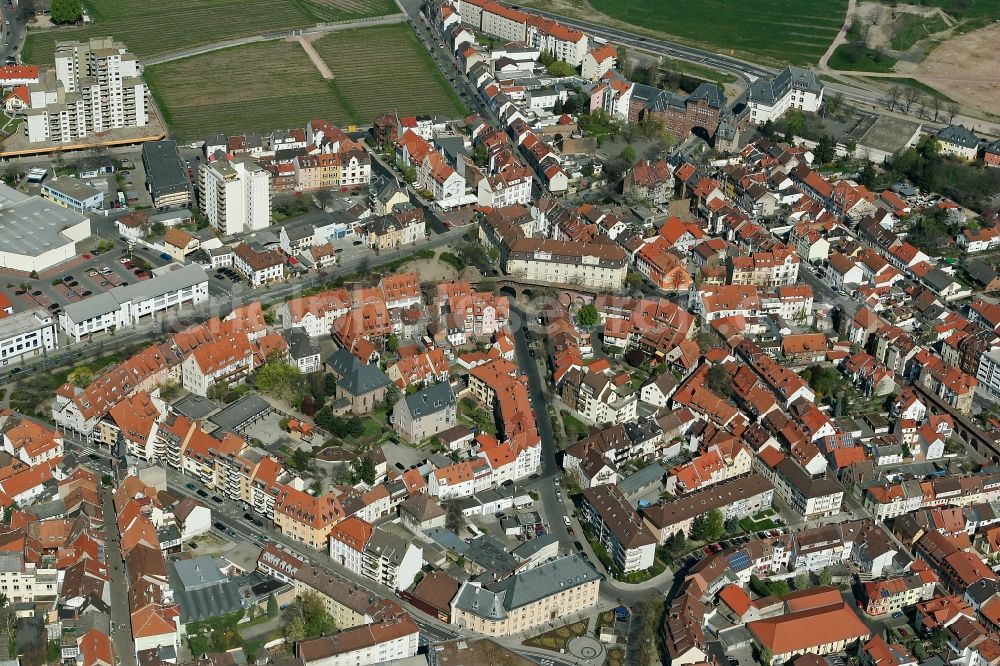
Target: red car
[(707, 550)]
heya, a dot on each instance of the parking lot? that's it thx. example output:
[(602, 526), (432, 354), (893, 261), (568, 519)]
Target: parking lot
[(93, 275)]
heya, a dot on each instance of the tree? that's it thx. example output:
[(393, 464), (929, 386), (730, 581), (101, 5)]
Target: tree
[(834, 103), (824, 151), (867, 175), (318, 621), (628, 154), (698, 528), (825, 576), (795, 122), (80, 376), (676, 543), (272, 606), (719, 381), (300, 459), (893, 95), (767, 129), (588, 316), (801, 581), (364, 469), (713, 526), (481, 154), (279, 379), (454, 520), (66, 11), (323, 197), (561, 69), (953, 109), (293, 623), (765, 657), (910, 95), (392, 344)]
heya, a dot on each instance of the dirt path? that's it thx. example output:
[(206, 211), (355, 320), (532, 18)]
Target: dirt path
[(841, 38), (306, 42)]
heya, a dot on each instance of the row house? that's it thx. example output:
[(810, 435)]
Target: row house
[(375, 554)]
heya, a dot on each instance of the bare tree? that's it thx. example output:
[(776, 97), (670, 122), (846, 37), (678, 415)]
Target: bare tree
[(953, 110), (835, 103), (323, 198), (894, 93), (920, 108), (875, 16), (910, 95), (936, 106)]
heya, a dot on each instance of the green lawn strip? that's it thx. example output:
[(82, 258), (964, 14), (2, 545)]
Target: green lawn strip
[(923, 87), (700, 71)]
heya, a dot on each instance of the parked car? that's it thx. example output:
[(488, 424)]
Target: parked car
[(87, 293), (219, 526), (202, 493), (190, 486), (216, 499), (165, 256)]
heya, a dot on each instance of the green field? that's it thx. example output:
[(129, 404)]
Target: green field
[(218, 92), (870, 61), (910, 29), (222, 92), (154, 27), (385, 68), (785, 30)]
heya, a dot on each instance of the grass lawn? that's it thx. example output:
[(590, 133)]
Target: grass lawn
[(163, 26), (558, 638), (370, 78), (575, 428), (217, 92), (870, 61), (698, 71), (473, 414), (749, 525), (912, 28), (805, 28)]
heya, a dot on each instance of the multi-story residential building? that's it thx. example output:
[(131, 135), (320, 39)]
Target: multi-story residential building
[(461, 479), (125, 307), (306, 518), (891, 595), (598, 61), (619, 528), (652, 181), (598, 398), (29, 332), (492, 18), (393, 636), (425, 413), (351, 167), (94, 87), (405, 226), (509, 187), (600, 266), (528, 599), (375, 554), (30, 442), (225, 361), (736, 498), (777, 268), (235, 195), (792, 88), (810, 496), (475, 314), (315, 314), (259, 266)]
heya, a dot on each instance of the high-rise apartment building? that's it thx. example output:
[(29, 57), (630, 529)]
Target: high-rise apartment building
[(235, 195), (94, 87)]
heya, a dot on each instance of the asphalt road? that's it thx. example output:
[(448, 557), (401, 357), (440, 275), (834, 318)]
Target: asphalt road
[(124, 646)]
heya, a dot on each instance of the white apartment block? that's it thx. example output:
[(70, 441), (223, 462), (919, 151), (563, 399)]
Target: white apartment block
[(235, 195), (94, 87), (988, 375), (793, 88), (32, 332), (123, 307)]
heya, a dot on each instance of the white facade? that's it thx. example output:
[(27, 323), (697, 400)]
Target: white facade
[(235, 195), (793, 88), (123, 307), (95, 87), (384, 652), (32, 332)]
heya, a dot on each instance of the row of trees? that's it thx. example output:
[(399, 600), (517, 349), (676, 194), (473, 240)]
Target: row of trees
[(930, 107)]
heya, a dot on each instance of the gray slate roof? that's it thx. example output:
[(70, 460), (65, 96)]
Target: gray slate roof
[(356, 377), (768, 91), (430, 400), (958, 135)]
